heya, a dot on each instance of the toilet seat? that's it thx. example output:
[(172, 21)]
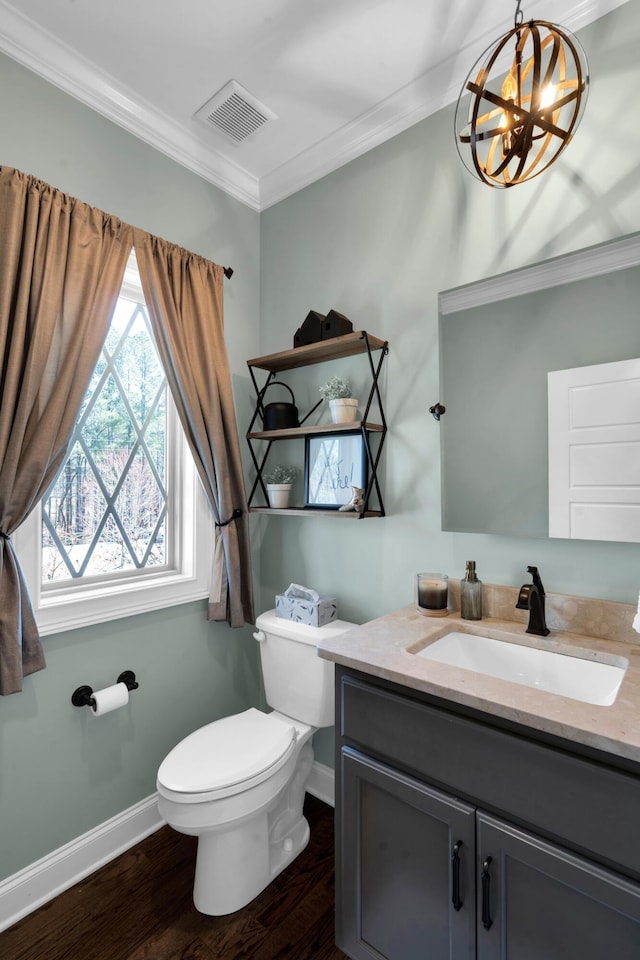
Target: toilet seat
[(227, 756)]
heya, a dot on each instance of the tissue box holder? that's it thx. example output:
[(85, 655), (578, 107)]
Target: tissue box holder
[(302, 609)]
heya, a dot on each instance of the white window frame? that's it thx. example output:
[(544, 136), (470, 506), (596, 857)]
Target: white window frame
[(68, 605)]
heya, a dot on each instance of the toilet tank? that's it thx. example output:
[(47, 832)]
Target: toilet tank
[(296, 681)]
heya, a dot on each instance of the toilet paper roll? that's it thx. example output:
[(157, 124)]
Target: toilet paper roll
[(110, 699)]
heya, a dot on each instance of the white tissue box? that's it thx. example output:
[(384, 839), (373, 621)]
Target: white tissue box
[(306, 606)]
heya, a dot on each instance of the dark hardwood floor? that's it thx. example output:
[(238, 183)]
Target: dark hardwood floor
[(139, 907)]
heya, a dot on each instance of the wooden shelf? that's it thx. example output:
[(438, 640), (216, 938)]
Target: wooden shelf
[(314, 512), (349, 345), (292, 433), (346, 346)]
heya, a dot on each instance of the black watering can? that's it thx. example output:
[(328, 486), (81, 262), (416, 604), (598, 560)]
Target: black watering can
[(279, 415)]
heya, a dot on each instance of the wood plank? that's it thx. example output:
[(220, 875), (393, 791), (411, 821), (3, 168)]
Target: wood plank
[(346, 346), (316, 512), (292, 433), (139, 907)]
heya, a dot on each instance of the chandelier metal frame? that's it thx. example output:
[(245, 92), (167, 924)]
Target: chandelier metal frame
[(516, 124)]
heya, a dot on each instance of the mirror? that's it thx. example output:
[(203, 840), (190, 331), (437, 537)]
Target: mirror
[(499, 339)]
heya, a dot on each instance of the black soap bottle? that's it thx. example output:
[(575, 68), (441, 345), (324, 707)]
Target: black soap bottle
[(471, 594)]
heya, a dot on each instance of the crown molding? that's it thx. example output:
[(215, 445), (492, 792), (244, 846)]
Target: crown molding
[(45, 55), (415, 102), (607, 257)]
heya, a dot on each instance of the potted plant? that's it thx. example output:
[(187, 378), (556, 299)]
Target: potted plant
[(279, 482), (342, 405)]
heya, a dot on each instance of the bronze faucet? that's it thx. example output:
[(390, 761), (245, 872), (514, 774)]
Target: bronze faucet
[(531, 598)]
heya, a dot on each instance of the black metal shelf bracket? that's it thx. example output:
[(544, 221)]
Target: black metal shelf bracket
[(374, 392)]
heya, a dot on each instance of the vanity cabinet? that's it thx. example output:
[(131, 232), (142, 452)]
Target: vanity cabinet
[(406, 865), (457, 838), (543, 902)]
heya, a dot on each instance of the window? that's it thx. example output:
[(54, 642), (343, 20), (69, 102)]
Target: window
[(125, 526)]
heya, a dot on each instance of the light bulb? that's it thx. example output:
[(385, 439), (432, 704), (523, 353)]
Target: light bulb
[(509, 92), (509, 88), (548, 96)]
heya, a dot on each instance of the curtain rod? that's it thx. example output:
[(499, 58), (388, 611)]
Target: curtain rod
[(228, 271)]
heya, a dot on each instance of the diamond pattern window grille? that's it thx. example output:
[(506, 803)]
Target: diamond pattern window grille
[(106, 511)]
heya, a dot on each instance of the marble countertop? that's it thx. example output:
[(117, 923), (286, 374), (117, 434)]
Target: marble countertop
[(379, 648)]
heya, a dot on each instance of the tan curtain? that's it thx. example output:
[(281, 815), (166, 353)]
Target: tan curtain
[(184, 295), (61, 268)]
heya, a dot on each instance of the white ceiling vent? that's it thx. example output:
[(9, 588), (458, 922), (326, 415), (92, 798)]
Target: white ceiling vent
[(235, 111)]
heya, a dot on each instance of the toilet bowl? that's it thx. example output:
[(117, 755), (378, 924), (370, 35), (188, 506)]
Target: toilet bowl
[(238, 783)]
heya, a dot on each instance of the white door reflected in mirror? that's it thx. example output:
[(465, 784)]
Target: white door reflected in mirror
[(594, 452)]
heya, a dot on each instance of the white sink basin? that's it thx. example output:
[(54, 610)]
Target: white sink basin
[(591, 681)]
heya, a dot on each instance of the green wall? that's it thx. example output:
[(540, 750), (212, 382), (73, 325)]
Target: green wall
[(377, 240), (61, 771)]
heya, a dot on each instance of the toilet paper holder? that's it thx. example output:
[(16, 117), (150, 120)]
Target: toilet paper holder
[(83, 696)]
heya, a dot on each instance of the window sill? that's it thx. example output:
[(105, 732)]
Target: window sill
[(56, 615)]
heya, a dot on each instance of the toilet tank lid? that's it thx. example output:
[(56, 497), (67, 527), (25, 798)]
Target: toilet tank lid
[(293, 630), (226, 752)]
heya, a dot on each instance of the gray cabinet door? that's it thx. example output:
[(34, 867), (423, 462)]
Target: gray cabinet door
[(543, 903), (404, 891)]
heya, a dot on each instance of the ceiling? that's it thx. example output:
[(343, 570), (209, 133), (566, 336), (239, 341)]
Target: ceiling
[(339, 76)]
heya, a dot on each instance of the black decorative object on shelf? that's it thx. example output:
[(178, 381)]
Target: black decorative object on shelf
[(279, 415), (310, 331), (335, 325), (319, 327)]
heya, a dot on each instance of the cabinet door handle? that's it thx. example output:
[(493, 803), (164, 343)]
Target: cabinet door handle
[(455, 876), (485, 876)]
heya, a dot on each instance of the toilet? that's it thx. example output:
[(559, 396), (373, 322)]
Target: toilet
[(238, 783)]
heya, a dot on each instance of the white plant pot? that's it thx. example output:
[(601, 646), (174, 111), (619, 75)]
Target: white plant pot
[(278, 494), (343, 410)]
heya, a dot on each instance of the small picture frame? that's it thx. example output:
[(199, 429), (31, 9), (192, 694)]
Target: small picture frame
[(334, 463)]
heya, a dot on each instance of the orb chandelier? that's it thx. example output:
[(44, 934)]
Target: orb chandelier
[(512, 121)]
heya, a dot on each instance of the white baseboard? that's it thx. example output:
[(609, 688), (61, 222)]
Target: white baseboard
[(321, 783), (43, 880)]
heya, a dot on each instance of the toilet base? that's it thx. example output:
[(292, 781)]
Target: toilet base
[(218, 891), (235, 864)]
